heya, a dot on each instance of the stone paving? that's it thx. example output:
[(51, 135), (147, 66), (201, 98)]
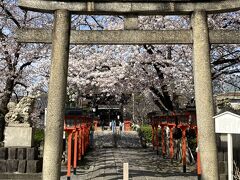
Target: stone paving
[(105, 162)]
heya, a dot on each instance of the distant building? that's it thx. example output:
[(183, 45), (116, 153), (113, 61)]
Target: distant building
[(107, 113)]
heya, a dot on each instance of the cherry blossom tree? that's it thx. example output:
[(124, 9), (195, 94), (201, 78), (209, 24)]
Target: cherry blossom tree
[(19, 63), (225, 58), (165, 71)]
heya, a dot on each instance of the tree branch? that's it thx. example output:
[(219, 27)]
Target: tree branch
[(97, 22), (25, 65), (21, 84), (224, 61), (225, 73), (9, 14)]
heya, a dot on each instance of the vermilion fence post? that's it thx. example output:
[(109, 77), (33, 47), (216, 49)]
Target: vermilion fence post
[(171, 144), (184, 149), (163, 139), (69, 155), (182, 121), (75, 151), (78, 128), (85, 138), (82, 139), (198, 156), (79, 144)]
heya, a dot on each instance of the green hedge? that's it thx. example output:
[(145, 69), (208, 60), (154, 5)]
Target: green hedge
[(38, 136), (146, 132)]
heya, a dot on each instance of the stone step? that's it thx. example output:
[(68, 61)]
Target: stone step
[(20, 166), (33, 166), (3, 153), (12, 165), (35, 176), (18, 153)]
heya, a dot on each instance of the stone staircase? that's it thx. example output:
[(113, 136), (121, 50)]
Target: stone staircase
[(19, 160)]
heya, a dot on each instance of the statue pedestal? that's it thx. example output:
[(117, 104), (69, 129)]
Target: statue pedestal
[(18, 136)]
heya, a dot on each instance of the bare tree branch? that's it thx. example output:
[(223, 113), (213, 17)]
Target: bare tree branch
[(9, 14)]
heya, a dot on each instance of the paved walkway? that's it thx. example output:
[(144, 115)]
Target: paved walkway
[(105, 162)]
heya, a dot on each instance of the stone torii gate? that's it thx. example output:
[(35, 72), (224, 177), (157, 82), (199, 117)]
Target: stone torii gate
[(200, 36)]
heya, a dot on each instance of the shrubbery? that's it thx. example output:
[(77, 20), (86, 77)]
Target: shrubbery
[(145, 131), (38, 137)]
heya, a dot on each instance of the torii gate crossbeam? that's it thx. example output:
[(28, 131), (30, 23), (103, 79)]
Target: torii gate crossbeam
[(131, 37), (199, 36)]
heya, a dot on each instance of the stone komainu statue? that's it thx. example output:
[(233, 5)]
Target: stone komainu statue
[(19, 114)]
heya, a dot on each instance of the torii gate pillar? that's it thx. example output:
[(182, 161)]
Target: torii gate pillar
[(56, 96), (203, 96)]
